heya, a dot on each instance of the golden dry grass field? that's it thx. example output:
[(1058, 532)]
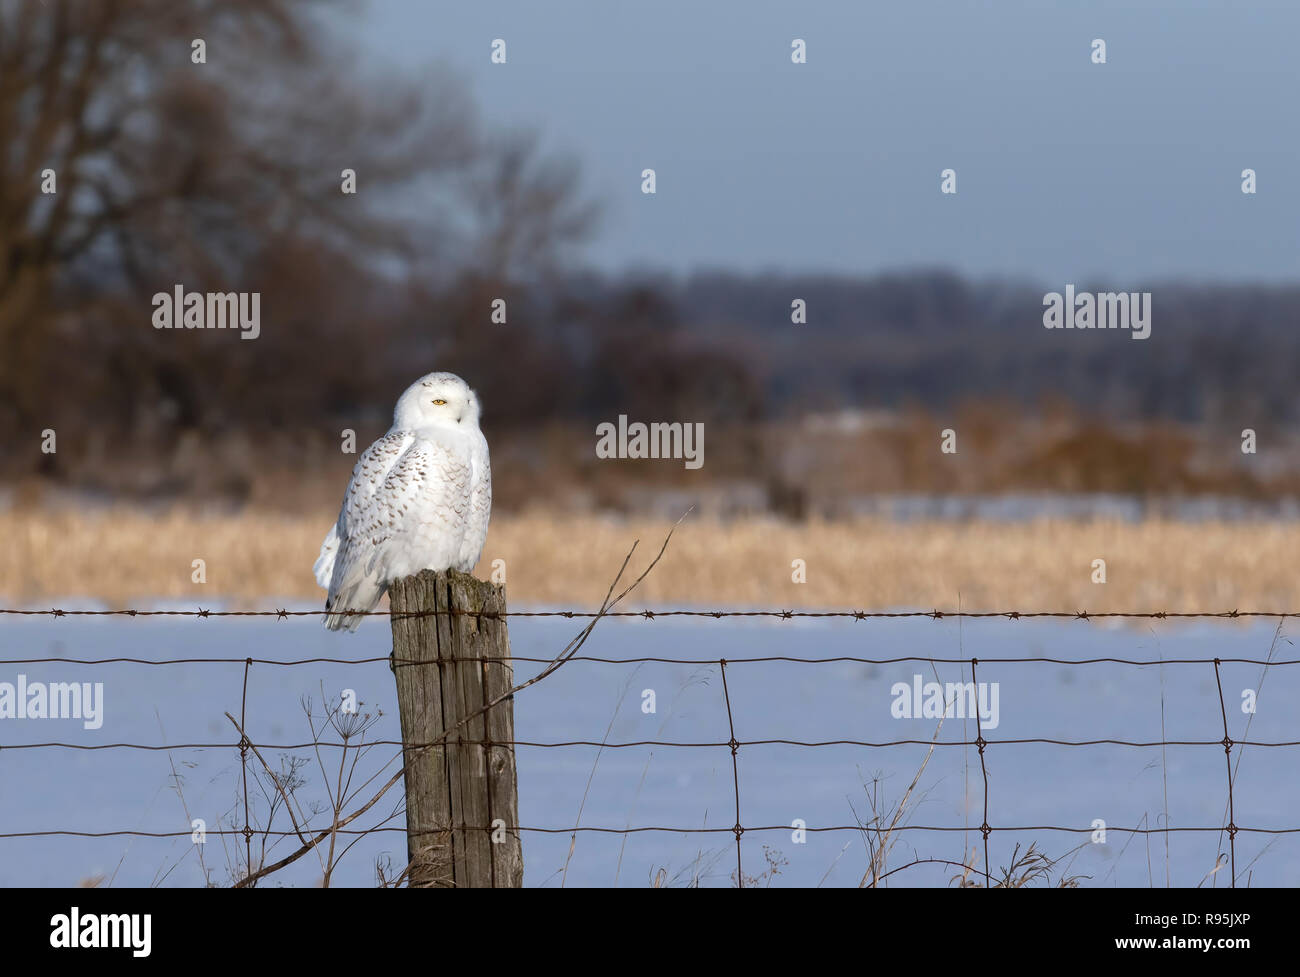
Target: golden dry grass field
[(123, 556)]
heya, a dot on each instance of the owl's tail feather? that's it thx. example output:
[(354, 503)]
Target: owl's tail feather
[(323, 568), (352, 596)]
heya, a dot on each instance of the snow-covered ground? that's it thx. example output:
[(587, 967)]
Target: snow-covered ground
[(686, 787)]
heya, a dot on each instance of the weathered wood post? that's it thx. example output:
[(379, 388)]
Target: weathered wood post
[(450, 661)]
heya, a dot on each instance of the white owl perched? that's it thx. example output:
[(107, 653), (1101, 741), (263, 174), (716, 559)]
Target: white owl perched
[(419, 499)]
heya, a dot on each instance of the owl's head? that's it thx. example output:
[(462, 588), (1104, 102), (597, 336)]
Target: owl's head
[(437, 400)]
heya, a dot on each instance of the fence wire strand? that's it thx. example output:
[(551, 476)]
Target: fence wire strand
[(937, 614)]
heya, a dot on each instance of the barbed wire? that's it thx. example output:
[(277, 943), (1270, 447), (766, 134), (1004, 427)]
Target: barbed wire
[(733, 744), (1029, 659), (285, 614), (665, 829)]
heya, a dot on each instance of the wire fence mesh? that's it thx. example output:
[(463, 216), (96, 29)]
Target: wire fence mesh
[(733, 744)]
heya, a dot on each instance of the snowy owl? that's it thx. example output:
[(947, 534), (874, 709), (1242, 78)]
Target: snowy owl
[(419, 499)]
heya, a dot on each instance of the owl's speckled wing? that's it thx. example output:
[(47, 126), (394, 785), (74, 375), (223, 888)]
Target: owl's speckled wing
[(480, 505)]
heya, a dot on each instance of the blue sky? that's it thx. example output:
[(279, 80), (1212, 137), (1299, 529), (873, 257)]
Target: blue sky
[(1066, 170)]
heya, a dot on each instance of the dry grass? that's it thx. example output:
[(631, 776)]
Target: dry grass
[(123, 556), (129, 555)]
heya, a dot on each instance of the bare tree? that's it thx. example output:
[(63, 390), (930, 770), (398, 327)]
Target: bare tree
[(204, 143)]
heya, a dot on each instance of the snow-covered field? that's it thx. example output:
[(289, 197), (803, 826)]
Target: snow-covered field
[(686, 787)]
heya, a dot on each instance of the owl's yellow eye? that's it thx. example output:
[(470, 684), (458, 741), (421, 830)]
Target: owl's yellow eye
[(439, 403)]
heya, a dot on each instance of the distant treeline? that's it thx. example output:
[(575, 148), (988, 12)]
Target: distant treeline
[(337, 345), (1216, 353)]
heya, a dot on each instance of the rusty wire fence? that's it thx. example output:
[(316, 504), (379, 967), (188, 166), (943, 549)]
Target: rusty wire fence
[(733, 744)]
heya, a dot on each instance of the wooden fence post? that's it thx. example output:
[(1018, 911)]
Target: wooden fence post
[(456, 791)]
